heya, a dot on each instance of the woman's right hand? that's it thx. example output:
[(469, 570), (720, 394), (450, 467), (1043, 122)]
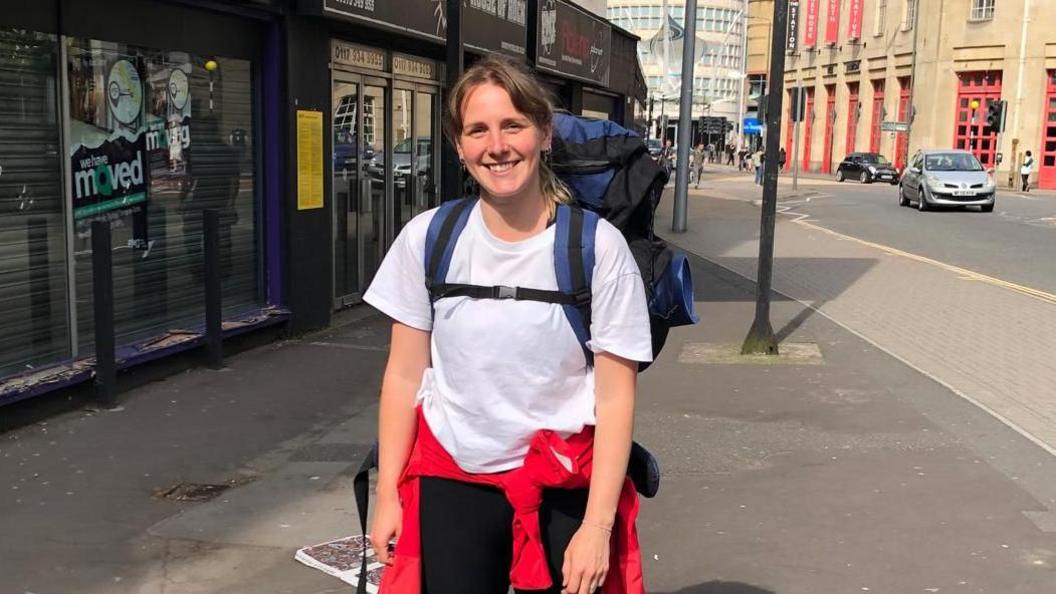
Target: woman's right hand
[(388, 523)]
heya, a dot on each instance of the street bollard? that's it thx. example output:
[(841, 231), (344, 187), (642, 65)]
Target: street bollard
[(105, 385), (214, 345)]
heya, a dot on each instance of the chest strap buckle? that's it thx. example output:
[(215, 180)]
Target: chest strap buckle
[(504, 292)]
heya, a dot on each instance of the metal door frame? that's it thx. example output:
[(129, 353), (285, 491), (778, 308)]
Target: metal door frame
[(360, 81), (434, 90)]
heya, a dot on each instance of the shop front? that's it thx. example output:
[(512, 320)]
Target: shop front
[(377, 78), (143, 115), (385, 122)]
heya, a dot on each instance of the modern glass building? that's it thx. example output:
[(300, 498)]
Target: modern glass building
[(719, 79)]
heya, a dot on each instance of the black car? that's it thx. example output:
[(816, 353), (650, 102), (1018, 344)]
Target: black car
[(867, 168)]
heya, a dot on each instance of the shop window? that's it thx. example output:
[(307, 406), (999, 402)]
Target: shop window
[(32, 231), (156, 138)]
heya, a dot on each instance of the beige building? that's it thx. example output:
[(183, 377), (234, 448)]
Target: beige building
[(856, 60)]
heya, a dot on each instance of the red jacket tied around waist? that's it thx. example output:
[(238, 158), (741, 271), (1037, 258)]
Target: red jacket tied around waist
[(523, 488)]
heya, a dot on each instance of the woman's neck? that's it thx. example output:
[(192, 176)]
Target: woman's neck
[(515, 218)]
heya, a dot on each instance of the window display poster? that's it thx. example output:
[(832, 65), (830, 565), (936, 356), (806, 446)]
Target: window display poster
[(309, 159), (130, 132), (108, 151)]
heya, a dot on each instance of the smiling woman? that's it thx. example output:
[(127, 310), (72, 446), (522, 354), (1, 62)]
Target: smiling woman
[(489, 394), (499, 119)]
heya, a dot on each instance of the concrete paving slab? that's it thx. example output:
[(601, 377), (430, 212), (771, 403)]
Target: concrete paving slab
[(298, 506)]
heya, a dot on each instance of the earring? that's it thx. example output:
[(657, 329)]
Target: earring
[(546, 155)]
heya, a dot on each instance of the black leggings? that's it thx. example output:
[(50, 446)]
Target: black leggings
[(467, 535)]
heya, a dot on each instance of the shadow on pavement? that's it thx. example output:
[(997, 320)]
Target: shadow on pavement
[(719, 587), (727, 286)]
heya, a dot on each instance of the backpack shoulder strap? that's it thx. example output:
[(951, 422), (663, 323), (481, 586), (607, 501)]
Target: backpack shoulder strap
[(442, 236), (574, 265)]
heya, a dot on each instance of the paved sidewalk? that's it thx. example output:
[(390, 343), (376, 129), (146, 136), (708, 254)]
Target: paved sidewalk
[(989, 340), (841, 470)]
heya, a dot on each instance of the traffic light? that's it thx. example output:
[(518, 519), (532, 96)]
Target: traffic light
[(995, 116), (795, 105), (798, 104), (764, 106)]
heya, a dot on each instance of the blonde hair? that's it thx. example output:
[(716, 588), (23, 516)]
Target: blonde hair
[(528, 96)]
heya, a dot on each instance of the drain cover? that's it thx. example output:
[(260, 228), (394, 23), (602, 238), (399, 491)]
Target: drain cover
[(193, 492)]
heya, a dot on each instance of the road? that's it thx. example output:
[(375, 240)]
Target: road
[(1016, 243)]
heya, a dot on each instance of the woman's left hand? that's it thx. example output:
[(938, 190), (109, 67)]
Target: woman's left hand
[(586, 560)]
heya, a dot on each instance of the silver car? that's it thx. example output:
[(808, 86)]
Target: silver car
[(946, 177)]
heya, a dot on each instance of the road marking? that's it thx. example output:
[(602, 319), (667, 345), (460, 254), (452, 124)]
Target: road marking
[(960, 272)]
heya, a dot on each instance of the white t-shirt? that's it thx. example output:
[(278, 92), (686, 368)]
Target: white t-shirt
[(503, 369)]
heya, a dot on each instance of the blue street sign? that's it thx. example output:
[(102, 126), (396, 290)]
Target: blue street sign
[(753, 127)]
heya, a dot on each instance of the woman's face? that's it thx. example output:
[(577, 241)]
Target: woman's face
[(500, 146)]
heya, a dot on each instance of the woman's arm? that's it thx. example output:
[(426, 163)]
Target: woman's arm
[(587, 557), (408, 360)]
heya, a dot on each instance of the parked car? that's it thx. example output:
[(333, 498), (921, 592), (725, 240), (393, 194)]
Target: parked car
[(401, 161), (946, 177), (867, 168)]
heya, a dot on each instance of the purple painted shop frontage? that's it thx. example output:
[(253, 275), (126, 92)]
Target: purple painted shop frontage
[(311, 127)]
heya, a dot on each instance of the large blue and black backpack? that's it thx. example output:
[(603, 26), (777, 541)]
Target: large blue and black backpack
[(612, 176)]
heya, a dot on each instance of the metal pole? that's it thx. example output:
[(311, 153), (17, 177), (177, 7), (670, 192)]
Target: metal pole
[(795, 151), (761, 337), (911, 111), (685, 119), (214, 336), (744, 78), (103, 308), (452, 177)]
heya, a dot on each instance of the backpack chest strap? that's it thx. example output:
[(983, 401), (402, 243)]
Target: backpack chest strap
[(440, 291)]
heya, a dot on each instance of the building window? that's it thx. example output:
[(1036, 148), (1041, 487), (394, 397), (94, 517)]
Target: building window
[(33, 297), (982, 10), (880, 18), (909, 15), (175, 131)]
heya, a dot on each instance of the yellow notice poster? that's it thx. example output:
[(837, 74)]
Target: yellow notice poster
[(309, 159)]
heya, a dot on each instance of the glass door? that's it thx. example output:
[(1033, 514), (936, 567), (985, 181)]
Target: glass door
[(403, 156), (414, 131), (359, 173), (426, 161)]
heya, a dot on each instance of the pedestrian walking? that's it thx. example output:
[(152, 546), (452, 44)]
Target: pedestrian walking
[(730, 149), (781, 158), (667, 155), (758, 159), (698, 164), (478, 392), (1025, 170)]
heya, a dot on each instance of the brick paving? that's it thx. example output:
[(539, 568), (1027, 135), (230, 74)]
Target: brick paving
[(993, 345)]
